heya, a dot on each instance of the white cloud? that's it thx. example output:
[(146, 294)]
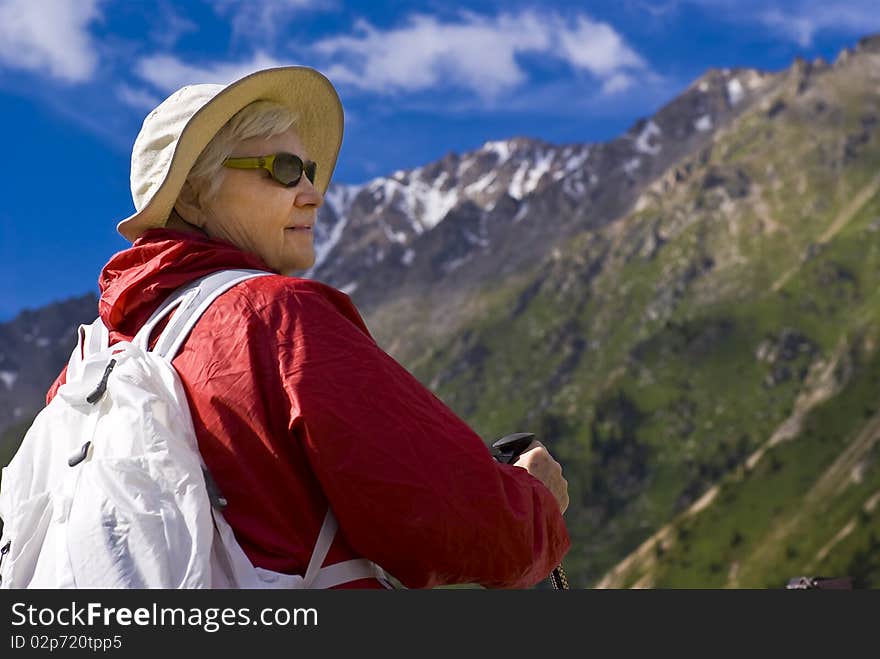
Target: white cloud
[(619, 82), (168, 73), (50, 36), (654, 8), (139, 99), (266, 19), (171, 26), (798, 21), (802, 21), (799, 29), (476, 52), (598, 48)]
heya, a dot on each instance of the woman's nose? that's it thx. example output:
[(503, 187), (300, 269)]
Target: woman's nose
[(307, 194)]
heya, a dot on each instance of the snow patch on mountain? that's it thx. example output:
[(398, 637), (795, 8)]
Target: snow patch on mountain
[(574, 162), (735, 91), (475, 240), (8, 378), (481, 184), (643, 141), (428, 203), (536, 172), (456, 263), (501, 149), (324, 247), (340, 195), (574, 187), (515, 189), (394, 236), (631, 165)]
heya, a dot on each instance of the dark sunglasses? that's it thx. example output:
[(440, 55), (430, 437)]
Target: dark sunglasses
[(286, 168)]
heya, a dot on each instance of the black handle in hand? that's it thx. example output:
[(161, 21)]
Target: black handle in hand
[(508, 448)]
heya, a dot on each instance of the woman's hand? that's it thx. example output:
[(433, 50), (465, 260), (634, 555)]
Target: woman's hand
[(536, 460)]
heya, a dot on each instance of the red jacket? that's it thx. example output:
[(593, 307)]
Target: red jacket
[(295, 406)]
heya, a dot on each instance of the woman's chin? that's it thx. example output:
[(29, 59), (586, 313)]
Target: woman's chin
[(297, 267)]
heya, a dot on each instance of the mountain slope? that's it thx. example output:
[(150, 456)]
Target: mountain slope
[(656, 353), (35, 346)]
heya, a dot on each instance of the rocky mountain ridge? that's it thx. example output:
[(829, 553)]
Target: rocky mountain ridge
[(509, 193)]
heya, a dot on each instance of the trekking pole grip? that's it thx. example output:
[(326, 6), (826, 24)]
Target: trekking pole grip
[(507, 450)]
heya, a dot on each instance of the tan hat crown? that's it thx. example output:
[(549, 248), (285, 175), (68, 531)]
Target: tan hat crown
[(154, 146)]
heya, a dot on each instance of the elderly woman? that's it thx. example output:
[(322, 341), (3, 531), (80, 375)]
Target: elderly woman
[(295, 406)]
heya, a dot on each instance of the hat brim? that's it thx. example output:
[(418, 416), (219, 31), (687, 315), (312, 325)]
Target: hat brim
[(304, 90)]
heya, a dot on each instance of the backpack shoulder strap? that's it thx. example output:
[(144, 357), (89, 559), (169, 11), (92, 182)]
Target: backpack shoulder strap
[(94, 338), (188, 303), (90, 339)]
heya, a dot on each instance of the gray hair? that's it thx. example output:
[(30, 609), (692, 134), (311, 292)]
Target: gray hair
[(257, 119)]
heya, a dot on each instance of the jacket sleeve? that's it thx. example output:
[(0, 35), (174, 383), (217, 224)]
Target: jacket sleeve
[(414, 488), (61, 379)]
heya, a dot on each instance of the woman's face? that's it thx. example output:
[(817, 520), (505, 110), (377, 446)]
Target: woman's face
[(253, 211)]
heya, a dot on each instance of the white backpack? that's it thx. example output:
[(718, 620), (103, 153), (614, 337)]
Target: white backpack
[(108, 489)]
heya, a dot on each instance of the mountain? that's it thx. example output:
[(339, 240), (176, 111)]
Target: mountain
[(467, 214), (34, 346), (686, 316)]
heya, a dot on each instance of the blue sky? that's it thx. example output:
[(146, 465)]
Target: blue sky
[(417, 80)]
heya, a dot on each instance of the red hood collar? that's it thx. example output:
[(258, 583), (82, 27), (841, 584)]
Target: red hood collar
[(136, 280)]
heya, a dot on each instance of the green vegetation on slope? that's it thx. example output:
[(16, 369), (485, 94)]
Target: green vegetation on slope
[(657, 355)]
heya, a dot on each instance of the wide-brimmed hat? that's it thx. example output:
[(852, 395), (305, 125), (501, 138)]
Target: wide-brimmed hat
[(175, 133)]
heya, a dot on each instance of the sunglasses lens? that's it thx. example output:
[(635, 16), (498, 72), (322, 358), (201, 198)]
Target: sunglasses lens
[(311, 169), (288, 168)]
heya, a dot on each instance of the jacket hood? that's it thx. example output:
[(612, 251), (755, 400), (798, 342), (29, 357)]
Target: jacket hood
[(135, 281)]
